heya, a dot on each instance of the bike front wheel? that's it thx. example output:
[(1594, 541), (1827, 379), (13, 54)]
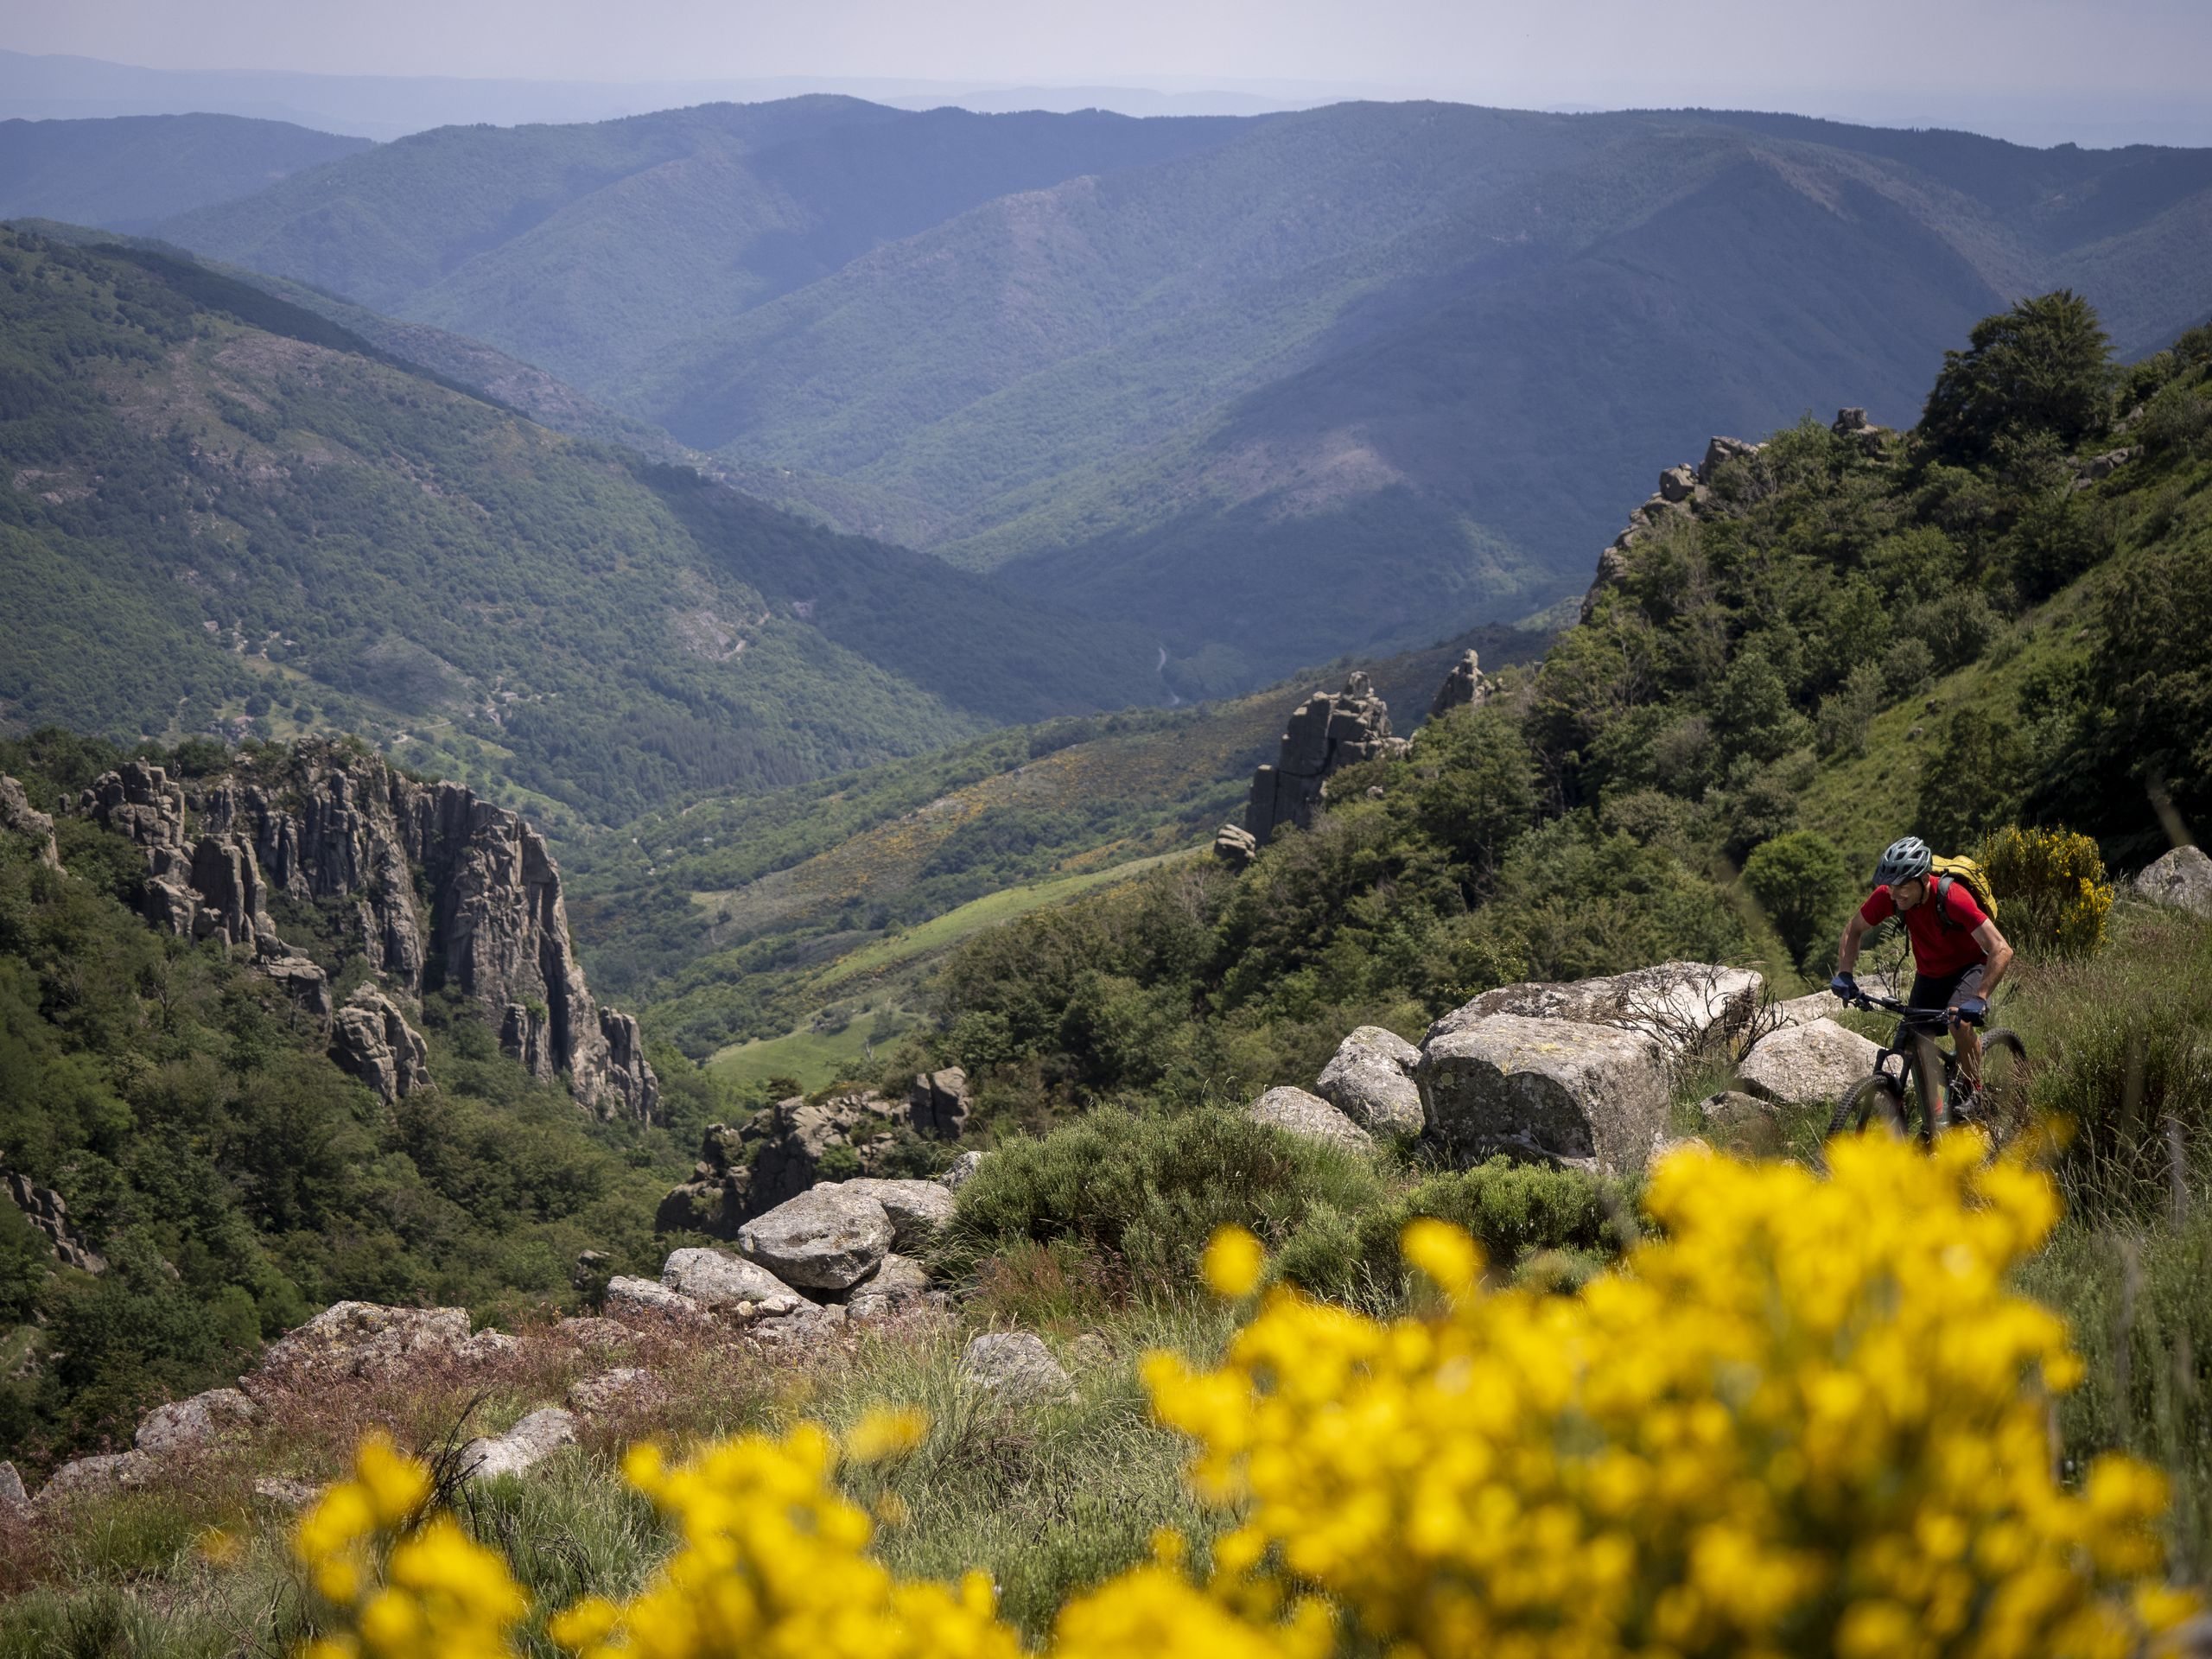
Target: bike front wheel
[(2007, 1083), (1876, 1102)]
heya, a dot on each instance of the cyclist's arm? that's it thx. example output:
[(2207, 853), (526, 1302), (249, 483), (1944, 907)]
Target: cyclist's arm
[(1847, 954), (1999, 953)]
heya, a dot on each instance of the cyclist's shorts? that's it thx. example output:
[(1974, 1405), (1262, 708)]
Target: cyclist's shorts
[(1938, 990)]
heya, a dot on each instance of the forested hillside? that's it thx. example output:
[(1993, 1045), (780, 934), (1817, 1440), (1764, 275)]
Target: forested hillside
[(126, 172), (1845, 636), (1271, 389), (222, 510)]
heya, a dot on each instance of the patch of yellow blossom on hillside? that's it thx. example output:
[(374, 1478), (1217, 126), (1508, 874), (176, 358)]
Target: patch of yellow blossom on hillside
[(1807, 1416)]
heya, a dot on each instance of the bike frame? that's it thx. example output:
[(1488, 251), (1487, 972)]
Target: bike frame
[(1920, 1032)]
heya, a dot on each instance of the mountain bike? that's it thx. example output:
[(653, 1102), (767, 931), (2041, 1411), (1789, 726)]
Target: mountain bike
[(1918, 1070)]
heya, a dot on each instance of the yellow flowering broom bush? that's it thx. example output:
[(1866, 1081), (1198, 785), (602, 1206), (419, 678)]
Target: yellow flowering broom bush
[(2052, 886), (1807, 1416)]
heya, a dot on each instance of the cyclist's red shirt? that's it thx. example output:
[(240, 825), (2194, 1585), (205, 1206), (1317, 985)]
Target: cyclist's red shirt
[(1936, 949)]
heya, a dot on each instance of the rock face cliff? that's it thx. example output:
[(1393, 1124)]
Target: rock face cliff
[(435, 887), (1328, 731)]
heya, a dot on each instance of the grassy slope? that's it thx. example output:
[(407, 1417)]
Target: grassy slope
[(222, 508)]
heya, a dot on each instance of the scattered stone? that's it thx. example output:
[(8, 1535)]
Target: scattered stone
[(43, 1208), (810, 1324), (300, 979), (485, 1344), (1235, 845), (283, 1491), (938, 1103), (917, 1208), (1554, 1090), (13, 1499), (19, 816), (1808, 1064), (1685, 1005), (522, 1448), (188, 1424), (1370, 1081), (1465, 687), (642, 1299), (1741, 1120), (898, 1282), (359, 1340), (370, 1039), (1720, 451), (86, 1477), (1015, 1365), (1296, 1112), (747, 1171), (827, 1238), (1678, 483), (625, 1385), (713, 1280), (961, 1170), (2183, 878), (2102, 467), (1328, 732)]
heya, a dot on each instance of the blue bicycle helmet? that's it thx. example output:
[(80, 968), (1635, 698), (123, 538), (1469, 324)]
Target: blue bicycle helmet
[(1905, 861)]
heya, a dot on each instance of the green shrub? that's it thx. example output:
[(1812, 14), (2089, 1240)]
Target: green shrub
[(1801, 882), (1146, 1192)]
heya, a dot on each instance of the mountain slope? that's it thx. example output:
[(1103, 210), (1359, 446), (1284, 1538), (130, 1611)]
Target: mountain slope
[(224, 511), (124, 173)]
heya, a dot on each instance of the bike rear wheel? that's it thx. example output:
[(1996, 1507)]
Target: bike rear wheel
[(1874, 1102)]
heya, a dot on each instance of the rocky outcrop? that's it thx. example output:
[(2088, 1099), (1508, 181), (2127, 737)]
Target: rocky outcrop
[(1550, 1091), (1686, 1006), (1015, 1365), (625, 1385), (828, 1238), (917, 1208), (13, 1499), (1370, 1081), (18, 817), (1328, 731), (43, 1208), (114, 1471), (1808, 1065), (938, 1103), (961, 1170), (899, 1282), (370, 1039), (1235, 845), (1684, 492), (1465, 687), (747, 1171), (359, 1340), (1853, 423), (341, 825), (1296, 1112), (643, 1301), (2182, 879)]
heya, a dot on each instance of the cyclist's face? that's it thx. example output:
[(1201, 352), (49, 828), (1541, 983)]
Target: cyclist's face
[(1905, 894)]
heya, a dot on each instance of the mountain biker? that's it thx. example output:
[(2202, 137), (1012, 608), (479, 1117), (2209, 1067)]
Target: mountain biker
[(1958, 955)]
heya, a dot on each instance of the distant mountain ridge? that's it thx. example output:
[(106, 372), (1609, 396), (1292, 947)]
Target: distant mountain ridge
[(1268, 389), (125, 173)]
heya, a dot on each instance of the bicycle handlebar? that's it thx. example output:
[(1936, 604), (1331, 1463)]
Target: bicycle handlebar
[(1872, 1004)]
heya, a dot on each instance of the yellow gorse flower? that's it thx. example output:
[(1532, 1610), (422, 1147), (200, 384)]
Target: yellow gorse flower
[(1806, 1416)]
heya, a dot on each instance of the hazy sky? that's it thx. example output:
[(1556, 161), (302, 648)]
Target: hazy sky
[(1772, 53)]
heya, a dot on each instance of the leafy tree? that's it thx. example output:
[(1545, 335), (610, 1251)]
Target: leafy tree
[(1971, 777), (2045, 366), (1802, 883)]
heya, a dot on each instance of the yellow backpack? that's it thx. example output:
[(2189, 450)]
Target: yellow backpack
[(1947, 870)]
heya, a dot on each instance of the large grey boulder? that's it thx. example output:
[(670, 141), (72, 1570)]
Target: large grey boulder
[(370, 1039), (13, 1499), (1808, 1064), (359, 1340), (2183, 878), (625, 1385), (1371, 1080), (1300, 1113), (188, 1424), (19, 816), (114, 1471), (1015, 1365), (961, 1170), (827, 1238), (1685, 1005), (938, 1103), (917, 1208), (717, 1280), (1556, 1091), (899, 1281), (643, 1301), (522, 1448)]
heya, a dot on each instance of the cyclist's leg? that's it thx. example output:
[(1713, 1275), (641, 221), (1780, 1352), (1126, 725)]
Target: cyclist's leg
[(1964, 1037), (1932, 991)]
